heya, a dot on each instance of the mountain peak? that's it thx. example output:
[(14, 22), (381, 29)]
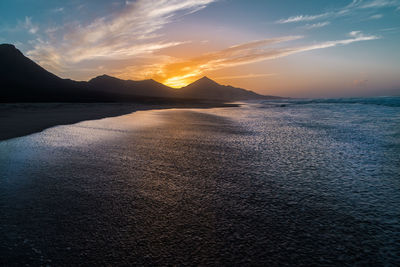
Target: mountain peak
[(7, 46), (8, 49), (204, 81), (103, 77), (205, 78)]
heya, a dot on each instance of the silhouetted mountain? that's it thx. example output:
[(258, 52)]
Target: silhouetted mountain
[(22, 80), (205, 88), (148, 88)]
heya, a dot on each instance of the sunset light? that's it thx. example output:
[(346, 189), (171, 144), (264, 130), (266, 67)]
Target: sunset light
[(181, 81), (176, 82), (169, 41), (199, 133)]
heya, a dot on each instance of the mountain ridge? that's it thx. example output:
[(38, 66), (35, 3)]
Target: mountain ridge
[(23, 80)]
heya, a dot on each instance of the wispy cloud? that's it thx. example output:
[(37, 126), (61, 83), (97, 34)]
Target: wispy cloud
[(58, 10), (28, 24), (316, 25), (176, 73), (393, 30), (300, 18), (380, 4), (376, 16), (173, 71), (126, 43), (123, 35), (344, 11), (24, 25)]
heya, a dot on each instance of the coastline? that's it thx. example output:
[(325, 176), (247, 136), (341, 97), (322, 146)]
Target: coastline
[(202, 186), (21, 119)]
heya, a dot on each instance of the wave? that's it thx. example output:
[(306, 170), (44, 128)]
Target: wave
[(392, 101)]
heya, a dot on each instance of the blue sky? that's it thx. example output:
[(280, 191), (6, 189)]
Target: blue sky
[(292, 48)]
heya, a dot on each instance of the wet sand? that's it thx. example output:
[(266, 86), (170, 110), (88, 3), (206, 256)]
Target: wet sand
[(255, 185), (23, 118)]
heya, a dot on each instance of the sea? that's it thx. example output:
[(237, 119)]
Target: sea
[(299, 182)]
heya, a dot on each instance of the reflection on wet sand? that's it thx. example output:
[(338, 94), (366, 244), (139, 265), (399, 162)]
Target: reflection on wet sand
[(219, 187)]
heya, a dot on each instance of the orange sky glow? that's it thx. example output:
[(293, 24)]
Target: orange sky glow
[(346, 48)]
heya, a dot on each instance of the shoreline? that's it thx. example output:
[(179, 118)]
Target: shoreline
[(21, 119)]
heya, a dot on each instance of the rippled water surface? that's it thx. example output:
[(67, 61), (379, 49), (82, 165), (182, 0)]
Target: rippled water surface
[(283, 182)]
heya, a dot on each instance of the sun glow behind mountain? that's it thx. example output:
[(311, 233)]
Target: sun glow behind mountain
[(177, 82), (288, 48)]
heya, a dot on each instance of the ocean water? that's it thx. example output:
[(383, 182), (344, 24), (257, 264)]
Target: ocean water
[(298, 182)]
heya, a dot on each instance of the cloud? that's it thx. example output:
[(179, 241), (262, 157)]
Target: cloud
[(316, 25), (344, 11), (122, 35), (25, 25), (52, 30), (376, 16), (58, 10), (176, 73), (32, 28), (393, 30), (126, 43), (380, 4), (303, 18)]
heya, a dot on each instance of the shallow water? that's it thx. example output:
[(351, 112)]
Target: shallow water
[(294, 182)]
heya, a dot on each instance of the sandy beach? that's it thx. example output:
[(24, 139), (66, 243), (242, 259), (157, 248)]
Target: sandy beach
[(19, 119), (260, 184)]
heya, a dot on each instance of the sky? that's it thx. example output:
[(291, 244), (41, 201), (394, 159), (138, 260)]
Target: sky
[(308, 48)]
